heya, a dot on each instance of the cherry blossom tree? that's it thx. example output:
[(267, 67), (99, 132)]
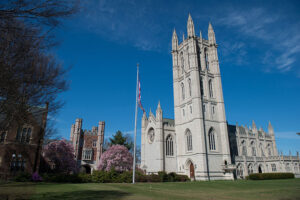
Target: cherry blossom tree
[(60, 155), (117, 157)]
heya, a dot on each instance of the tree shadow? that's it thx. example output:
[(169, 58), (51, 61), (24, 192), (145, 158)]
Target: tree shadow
[(84, 194)]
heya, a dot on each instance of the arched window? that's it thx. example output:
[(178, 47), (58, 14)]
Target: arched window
[(206, 59), (211, 139), (253, 148), (190, 87), (182, 91), (182, 62), (201, 86), (244, 148), (24, 135), (169, 146), (211, 94), (188, 58), (261, 150), (189, 141), (269, 150), (240, 170), (2, 136)]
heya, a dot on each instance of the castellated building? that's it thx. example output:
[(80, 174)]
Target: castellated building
[(88, 145), (199, 142)]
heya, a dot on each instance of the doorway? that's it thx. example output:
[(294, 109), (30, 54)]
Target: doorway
[(192, 171)]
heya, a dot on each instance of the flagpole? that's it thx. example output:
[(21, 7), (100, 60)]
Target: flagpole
[(136, 111)]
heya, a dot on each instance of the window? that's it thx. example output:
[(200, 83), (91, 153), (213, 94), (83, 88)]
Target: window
[(189, 141), (190, 87), (94, 143), (169, 146), (2, 137), (239, 170), (253, 148), (269, 150), (24, 135), (201, 87), (250, 169), (211, 139), (261, 150), (191, 110), (273, 167), (17, 163), (183, 113), (182, 62), (87, 154), (206, 59), (210, 89), (188, 58), (244, 148), (182, 91)]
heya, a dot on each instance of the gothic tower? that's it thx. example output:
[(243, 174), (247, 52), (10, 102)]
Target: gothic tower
[(200, 122)]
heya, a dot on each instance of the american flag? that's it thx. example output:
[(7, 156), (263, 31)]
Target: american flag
[(139, 97)]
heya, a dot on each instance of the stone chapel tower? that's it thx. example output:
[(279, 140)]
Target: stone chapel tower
[(200, 122)]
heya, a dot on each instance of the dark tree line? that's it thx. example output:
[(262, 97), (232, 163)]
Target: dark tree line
[(29, 75)]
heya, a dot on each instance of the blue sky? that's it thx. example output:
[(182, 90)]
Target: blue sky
[(259, 53)]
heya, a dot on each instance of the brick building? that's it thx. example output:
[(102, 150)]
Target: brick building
[(21, 145), (88, 145)]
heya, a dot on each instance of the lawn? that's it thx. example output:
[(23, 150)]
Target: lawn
[(231, 190)]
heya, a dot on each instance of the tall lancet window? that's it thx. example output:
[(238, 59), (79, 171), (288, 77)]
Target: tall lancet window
[(189, 141), (188, 57), (182, 62), (211, 139), (201, 86), (211, 93), (182, 91), (244, 148), (169, 146), (206, 58), (190, 87)]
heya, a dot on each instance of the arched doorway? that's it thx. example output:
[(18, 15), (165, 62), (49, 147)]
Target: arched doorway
[(259, 169), (86, 169), (192, 171)]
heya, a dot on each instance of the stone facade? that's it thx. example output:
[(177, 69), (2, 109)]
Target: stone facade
[(88, 145), (20, 146), (197, 142)]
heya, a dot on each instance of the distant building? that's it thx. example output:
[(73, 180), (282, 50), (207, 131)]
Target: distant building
[(21, 145), (199, 142), (88, 145)]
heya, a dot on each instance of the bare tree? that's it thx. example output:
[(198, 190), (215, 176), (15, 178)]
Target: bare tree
[(29, 75)]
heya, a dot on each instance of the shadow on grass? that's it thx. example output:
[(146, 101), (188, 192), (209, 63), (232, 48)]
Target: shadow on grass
[(84, 194)]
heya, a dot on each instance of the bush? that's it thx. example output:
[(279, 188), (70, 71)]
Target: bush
[(172, 177), (125, 177), (22, 177), (268, 176), (100, 177), (62, 178), (154, 178), (181, 178), (85, 178), (163, 176)]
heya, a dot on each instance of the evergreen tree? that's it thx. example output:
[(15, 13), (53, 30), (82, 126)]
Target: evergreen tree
[(120, 139)]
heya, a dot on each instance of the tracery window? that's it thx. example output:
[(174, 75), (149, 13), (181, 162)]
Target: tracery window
[(240, 170), (87, 154), (253, 148), (210, 89), (273, 167), (17, 163), (250, 169), (182, 62), (211, 139), (169, 146), (24, 135), (244, 148), (206, 59), (189, 141), (190, 87)]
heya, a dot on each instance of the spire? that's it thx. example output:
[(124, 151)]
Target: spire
[(144, 120), (270, 129), (190, 27), (174, 41), (211, 34), (200, 35), (158, 112), (158, 106), (253, 125), (182, 37)]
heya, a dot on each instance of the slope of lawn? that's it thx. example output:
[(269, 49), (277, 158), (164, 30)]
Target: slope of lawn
[(231, 190)]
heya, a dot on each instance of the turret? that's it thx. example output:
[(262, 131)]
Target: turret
[(72, 132), (190, 27), (144, 120), (270, 129), (101, 128), (211, 35), (158, 113), (174, 41)]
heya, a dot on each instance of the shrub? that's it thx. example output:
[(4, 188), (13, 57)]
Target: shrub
[(268, 176), (154, 178), (62, 178), (163, 176), (181, 178), (36, 177), (85, 178), (172, 177), (22, 177), (100, 177), (125, 177)]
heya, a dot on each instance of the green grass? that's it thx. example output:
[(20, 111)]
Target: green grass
[(231, 190)]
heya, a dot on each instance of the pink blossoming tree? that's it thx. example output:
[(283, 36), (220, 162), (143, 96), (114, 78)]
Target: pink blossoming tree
[(118, 157), (60, 155)]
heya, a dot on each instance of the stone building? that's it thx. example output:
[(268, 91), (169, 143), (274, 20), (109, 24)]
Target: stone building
[(197, 142), (88, 145), (21, 145)]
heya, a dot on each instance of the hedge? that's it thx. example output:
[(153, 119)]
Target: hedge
[(269, 176)]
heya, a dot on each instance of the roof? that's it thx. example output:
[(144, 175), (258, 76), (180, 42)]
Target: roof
[(170, 122)]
